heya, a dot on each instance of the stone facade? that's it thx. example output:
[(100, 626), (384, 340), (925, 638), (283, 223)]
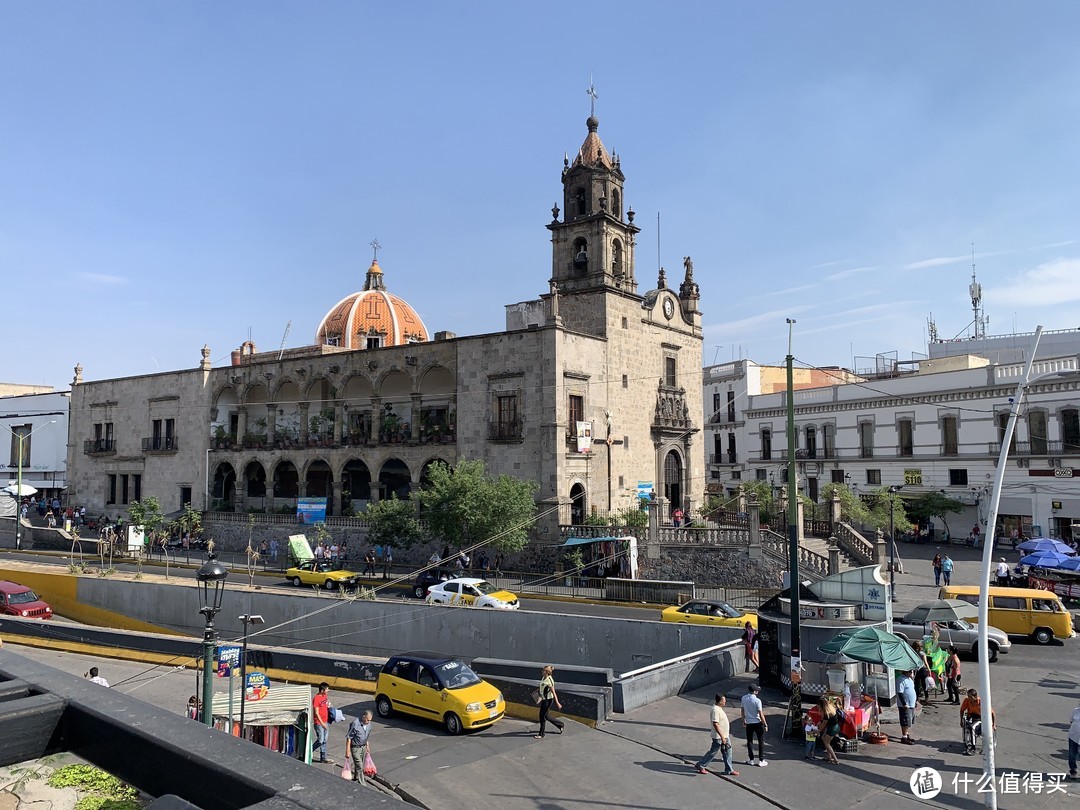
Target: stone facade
[(357, 425)]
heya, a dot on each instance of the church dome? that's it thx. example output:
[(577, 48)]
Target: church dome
[(371, 318)]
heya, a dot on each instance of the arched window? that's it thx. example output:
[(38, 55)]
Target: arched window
[(616, 203), (581, 256), (581, 202), (616, 258)]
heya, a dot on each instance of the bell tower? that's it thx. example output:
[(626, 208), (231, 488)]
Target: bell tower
[(593, 243)]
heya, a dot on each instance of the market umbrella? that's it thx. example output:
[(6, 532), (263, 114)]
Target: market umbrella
[(1037, 544), (872, 645), (1071, 564), (942, 610), (1044, 559), (25, 491)]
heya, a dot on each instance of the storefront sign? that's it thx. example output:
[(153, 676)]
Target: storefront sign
[(256, 685), (311, 510), (913, 478), (228, 659)]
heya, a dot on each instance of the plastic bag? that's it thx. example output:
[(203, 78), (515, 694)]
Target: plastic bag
[(346, 770), (369, 766)]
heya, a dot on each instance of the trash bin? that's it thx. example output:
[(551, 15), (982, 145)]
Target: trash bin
[(837, 679)]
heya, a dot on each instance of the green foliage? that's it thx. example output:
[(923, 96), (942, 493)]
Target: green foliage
[(762, 492), (98, 783), (464, 504), (853, 509), (147, 515), (573, 561), (393, 521), (934, 504), (634, 518), (596, 519), (105, 803), (885, 503)]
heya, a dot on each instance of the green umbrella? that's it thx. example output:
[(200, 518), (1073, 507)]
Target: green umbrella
[(872, 645), (941, 610)]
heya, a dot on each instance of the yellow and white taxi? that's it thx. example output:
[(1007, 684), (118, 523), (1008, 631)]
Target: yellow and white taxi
[(440, 688), (319, 573), (708, 611), (472, 592)]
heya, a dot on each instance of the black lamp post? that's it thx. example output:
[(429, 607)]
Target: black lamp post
[(248, 619), (211, 578), (892, 537)]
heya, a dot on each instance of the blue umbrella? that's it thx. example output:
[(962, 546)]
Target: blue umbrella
[(1044, 559), (1071, 564), (1037, 544)]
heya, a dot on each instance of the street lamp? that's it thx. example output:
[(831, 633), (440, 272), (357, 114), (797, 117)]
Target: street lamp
[(247, 619), (18, 481), (892, 538), (211, 578)]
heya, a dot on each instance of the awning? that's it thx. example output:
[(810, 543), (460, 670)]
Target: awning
[(281, 706), (38, 483), (584, 541)]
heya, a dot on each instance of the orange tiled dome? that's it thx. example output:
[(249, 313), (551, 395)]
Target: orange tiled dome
[(371, 318)]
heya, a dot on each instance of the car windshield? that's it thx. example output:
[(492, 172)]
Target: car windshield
[(486, 587), (22, 598), (961, 624), (727, 610), (456, 675)]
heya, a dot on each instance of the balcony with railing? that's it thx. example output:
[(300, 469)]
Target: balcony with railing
[(1037, 448), (506, 431), (723, 458), (99, 447), (160, 444)]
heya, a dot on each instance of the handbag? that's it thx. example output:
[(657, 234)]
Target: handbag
[(369, 766), (346, 770), (535, 695)]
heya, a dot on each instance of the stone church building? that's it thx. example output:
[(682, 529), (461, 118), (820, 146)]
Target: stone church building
[(592, 390)]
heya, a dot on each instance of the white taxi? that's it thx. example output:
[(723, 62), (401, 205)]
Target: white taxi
[(472, 592)]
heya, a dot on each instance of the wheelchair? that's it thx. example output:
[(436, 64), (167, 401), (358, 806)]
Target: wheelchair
[(972, 733)]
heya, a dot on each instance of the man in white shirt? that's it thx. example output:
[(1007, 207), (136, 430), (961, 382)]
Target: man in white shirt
[(95, 678), (1003, 573), (753, 717), (1074, 742), (721, 738)]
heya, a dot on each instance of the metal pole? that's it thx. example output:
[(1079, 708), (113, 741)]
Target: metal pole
[(208, 671), (18, 496), (892, 547), (793, 503), (243, 674), (989, 772)]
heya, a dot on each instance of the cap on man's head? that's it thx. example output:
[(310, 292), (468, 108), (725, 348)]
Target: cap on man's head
[(753, 688)]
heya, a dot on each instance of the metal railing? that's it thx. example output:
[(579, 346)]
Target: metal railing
[(1043, 447), (160, 444), (506, 431), (91, 446)]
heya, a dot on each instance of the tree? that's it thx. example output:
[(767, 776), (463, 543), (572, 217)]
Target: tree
[(190, 521), (146, 514), (935, 504), (762, 492), (465, 505), (393, 522), (888, 511), (853, 509)]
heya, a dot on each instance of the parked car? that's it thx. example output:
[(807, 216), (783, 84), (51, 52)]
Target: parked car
[(425, 579), (440, 688), (321, 573), (473, 592), (709, 611), (18, 600), (959, 633)]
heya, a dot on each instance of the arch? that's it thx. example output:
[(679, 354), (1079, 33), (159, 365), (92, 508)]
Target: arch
[(616, 203), (673, 479), (581, 201), (285, 480), (425, 471), (255, 480), (616, 257), (395, 479), (225, 416), (357, 387), (580, 253), (224, 486), (578, 504), (319, 390), (287, 422), (319, 483), (436, 378), (256, 394), (356, 481)]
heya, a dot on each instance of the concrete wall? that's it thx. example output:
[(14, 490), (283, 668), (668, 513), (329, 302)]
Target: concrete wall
[(336, 625), (681, 676)]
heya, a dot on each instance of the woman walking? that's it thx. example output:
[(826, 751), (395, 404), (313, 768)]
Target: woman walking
[(750, 644), (830, 728), (952, 676), (547, 697)]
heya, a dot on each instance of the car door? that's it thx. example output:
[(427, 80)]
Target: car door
[(1011, 614), (399, 685), (427, 696), (452, 591), (470, 595)]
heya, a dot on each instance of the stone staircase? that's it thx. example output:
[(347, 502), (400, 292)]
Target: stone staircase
[(820, 546)]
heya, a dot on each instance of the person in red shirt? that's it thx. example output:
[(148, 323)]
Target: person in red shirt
[(320, 706)]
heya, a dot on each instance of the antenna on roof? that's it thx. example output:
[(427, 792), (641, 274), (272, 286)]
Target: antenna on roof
[(931, 328), (658, 266), (281, 350), (975, 289)]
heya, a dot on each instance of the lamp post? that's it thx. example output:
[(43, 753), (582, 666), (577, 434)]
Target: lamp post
[(892, 537), (18, 480), (211, 578), (247, 619)]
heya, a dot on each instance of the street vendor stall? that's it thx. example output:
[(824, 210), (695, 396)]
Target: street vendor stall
[(279, 719)]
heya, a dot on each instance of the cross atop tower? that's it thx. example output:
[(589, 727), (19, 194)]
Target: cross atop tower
[(591, 92), (375, 247)]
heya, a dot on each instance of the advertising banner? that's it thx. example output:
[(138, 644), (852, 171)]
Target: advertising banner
[(644, 493), (584, 437), (300, 548), (256, 685), (228, 659), (311, 510)]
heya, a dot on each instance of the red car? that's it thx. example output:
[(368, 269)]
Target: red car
[(18, 600)]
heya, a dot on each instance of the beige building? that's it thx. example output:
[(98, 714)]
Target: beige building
[(592, 390)]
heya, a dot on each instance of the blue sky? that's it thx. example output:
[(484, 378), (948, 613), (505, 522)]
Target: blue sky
[(174, 174)]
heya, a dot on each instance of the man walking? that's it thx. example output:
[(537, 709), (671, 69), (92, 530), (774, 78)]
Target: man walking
[(905, 700), (1003, 573), (96, 678), (320, 706), (753, 717), (356, 744), (1074, 742), (721, 739), (946, 569)]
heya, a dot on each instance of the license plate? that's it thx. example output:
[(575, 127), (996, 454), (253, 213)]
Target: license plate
[(493, 713)]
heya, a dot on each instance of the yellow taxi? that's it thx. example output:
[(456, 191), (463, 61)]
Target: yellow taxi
[(321, 574), (440, 688), (473, 592), (709, 611)]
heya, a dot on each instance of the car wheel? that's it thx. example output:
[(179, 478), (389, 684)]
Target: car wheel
[(296, 581), (1044, 635), (993, 652), (453, 724), (330, 584), (383, 706), (418, 592)]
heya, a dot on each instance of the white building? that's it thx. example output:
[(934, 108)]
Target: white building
[(36, 425), (938, 427)]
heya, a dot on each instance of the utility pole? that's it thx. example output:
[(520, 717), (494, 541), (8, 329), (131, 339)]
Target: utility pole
[(793, 509)]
